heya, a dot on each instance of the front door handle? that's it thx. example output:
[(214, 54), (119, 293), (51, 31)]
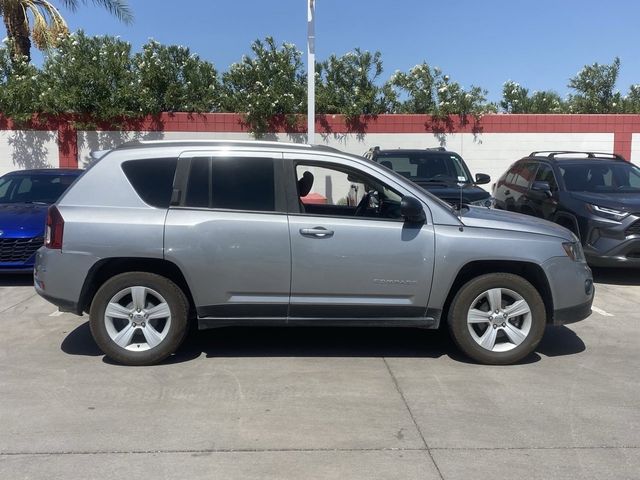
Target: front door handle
[(317, 232)]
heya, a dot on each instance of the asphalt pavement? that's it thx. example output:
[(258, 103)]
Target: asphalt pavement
[(306, 403)]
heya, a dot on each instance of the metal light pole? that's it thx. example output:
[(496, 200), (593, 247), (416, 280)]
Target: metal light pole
[(311, 72)]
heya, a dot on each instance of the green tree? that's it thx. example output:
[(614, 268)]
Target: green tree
[(91, 76), (41, 21), (171, 79), (347, 84), (594, 86), (269, 84)]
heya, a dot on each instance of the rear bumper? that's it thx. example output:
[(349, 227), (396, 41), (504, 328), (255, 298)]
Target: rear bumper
[(58, 277)]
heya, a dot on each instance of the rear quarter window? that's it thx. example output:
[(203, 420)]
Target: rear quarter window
[(152, 179)]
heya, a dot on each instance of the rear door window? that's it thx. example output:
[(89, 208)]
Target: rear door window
[(152, 179), (231, 184)]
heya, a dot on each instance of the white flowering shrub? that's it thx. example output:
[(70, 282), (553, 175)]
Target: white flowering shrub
[(266, 87), (347, 84), (516, 99), (631, 102), (90, 76), (19, 86), (413, 91), (169, 78)]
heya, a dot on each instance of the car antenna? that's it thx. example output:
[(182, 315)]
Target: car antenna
[(460, 185)]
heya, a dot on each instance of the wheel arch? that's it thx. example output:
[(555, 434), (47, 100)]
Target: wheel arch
[(107, 268), (531, 272)]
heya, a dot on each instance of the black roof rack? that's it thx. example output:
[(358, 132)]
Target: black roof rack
[(437, 149), (553, 154)]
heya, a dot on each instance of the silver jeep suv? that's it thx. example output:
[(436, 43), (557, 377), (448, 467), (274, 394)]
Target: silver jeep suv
[(158, 234)]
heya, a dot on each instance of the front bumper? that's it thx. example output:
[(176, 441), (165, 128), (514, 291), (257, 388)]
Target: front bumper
[(573, 314), (608, 243), (572, 289)]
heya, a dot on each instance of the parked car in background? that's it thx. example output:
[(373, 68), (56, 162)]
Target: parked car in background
[(437, 170), (158, 233), (595, 195), (25, 196)]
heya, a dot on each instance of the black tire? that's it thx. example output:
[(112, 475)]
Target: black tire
[(177, 329), (462, 302)]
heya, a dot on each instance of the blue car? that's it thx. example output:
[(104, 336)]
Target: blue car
[(25, 196)]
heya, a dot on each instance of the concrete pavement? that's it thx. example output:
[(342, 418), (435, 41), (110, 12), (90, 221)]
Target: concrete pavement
[(320, 403)]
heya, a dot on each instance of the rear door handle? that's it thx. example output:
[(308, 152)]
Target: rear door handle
[(317, 232)]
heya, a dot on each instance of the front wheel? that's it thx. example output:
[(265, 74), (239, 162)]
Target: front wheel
[(497, 319), (138, 318)]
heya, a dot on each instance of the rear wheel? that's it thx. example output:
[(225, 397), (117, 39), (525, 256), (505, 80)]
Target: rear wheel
[(498, 318), (139, 318)]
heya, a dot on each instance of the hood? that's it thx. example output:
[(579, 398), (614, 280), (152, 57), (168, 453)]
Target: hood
[(516, 222), (626, 201), (23, 220), (450, 192)]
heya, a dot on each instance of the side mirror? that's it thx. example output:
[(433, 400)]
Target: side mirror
[(542, 187), (411, 209), (482, 178)]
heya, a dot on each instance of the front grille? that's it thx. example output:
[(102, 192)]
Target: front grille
[(633, 229), (18, 249)]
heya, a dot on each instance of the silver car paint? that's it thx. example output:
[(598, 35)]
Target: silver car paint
[(104, 218)]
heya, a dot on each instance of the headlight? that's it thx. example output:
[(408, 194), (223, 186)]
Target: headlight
[(486, 202), (574, 251), (609, 213)]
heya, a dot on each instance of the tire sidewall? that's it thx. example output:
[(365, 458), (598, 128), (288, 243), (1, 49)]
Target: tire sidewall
[(458, 312), (177, 306)]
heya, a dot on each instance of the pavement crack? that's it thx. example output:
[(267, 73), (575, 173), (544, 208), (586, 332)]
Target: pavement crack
[(16, 304), (413, 418)]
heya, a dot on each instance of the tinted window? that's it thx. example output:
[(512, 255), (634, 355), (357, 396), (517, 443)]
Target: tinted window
[(33, 188), (199, 184), (545, 174), (602, 177), (231, 183), (152, 179), (524, 174), (426, 166)]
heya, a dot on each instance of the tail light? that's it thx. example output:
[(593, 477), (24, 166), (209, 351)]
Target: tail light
[(54, 229)]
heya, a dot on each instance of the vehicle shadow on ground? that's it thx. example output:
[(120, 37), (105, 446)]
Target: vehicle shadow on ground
[(325, 342), (16, 280), (617, 276)]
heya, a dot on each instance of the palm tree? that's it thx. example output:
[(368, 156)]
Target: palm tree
[(46, 22)]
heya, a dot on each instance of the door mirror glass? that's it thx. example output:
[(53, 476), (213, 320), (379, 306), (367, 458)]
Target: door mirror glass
[(412, 210), (482, 178)]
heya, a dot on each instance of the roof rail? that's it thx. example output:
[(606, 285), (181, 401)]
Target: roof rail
[(552, 154), (437, 149)]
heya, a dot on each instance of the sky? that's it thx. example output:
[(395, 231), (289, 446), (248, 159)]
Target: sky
[(540, 44)]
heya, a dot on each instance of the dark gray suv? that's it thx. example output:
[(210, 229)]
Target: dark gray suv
[(158, 234)]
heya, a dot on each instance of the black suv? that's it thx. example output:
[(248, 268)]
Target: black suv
[(437, 170), (595, 195)]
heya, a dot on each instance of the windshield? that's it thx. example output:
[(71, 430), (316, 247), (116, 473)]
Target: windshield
[(30, 188), (427, 166), (601, 178)]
